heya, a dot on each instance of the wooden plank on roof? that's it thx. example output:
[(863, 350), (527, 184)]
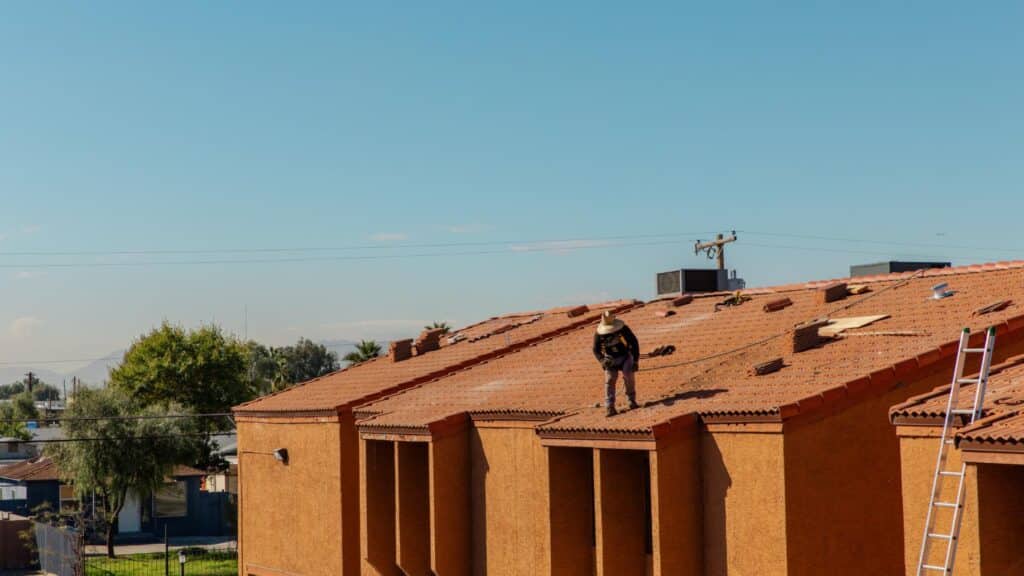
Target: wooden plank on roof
[(837, 325)]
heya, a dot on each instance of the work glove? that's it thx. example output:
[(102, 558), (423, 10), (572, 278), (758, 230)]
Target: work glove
[(636, 366), (607, 363)]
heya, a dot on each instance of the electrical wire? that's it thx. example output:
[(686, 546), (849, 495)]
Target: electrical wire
[(521, 248), (99, 418), (294, 250), (109, 438)]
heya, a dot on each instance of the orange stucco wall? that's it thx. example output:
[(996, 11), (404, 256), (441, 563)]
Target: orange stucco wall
[(509, 487), (450, 501), (412, 508), (619, 507), (1000, 498), (917, 462), (291, 516), (677, 510), (571, 512), (844, 500), (378, 547), (744, 504)]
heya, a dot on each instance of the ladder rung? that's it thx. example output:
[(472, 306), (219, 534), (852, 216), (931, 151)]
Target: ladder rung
[(961, 411), (930, 567), (948, 441), (941, 536), (947, 505), (967, 380), (975, 350), (948, 473)]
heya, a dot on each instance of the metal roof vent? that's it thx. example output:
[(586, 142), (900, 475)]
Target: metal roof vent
[(939, 291)]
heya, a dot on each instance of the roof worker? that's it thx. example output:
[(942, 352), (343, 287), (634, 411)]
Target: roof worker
[(617, 349)]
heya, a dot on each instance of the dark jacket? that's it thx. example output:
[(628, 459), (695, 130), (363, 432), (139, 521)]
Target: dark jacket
[(616, 346)]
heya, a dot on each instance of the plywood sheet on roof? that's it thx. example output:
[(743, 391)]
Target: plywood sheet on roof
[(838, 325)]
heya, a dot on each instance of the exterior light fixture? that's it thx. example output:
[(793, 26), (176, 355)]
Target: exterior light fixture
[(281, 455)]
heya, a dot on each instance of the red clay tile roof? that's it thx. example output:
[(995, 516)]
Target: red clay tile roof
[(1005, 393), (44, 468), (710, 371), (379, 376), (1000, 432), (34, 470)]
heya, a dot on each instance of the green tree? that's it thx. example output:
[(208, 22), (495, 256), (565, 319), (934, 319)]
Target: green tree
[(42, 392), (365, 350), (128, 455), (274, 369), (303, 361), (445, 328), (13, 415), (10, 424), (203, 370), (8, 391)]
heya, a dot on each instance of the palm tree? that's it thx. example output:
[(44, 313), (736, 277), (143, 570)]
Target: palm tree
[(365, 350), (442, 325)]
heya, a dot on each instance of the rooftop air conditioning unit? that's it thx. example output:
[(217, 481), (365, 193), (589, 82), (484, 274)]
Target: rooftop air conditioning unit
[(697, 280)]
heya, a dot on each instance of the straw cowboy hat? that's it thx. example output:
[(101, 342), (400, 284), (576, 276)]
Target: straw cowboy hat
[(609, 324)]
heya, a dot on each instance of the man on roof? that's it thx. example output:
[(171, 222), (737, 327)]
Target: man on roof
[(617, 349)]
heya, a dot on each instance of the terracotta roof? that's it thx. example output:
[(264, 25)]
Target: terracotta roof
[(710, 372), (44, 468), (1001, 432), (34, 470), (1005, 393), (382, 375)]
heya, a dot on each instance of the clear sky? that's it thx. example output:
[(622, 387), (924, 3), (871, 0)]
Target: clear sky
[(263, 125)]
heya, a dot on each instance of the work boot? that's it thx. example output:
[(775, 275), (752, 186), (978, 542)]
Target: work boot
[(611, 411), (632, 404)]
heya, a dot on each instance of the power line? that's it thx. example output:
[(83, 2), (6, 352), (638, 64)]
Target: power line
[(515, 248), (300, 249), (68, 361), (135, 417), (881, 242), (109, 438)]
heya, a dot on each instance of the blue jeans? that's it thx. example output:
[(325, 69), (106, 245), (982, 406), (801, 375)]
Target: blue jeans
[(611, 377)]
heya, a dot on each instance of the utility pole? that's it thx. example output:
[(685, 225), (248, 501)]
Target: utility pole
[(715, 248), (30, 380)]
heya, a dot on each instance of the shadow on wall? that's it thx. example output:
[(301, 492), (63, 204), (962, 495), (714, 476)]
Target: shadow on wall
[(716, 488), (480, 469)]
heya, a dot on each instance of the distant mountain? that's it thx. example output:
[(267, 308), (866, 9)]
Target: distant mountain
[(339, 347), (10, 374), (93, 374), (96, 372)]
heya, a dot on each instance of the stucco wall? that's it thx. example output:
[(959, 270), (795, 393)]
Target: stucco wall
[(843, 490), (676, 504), (509, 488), (1000, 516), (917, 463), (290, 516), (744, 504)]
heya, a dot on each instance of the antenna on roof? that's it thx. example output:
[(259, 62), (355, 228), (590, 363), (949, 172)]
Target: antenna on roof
[(715, 248)]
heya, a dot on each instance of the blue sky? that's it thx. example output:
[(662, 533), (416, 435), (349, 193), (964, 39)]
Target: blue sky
[(211, 126)]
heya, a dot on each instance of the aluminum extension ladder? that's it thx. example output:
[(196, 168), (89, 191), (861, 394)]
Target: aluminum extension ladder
[(933, 533)]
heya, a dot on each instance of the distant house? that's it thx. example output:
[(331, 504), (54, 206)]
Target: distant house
[(181, 507), (13, 450)]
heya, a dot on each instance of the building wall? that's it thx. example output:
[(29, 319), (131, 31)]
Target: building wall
[(290, 516), (1000, 516), (509, 488), (917, 462), (677, 510), (744, 504), (843, 490)]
